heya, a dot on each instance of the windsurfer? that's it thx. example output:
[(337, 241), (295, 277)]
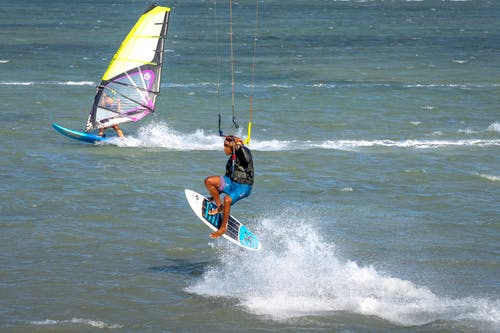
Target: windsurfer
[(236, 183), (109, 102)]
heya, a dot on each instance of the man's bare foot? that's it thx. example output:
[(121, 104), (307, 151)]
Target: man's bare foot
[(217, 234)]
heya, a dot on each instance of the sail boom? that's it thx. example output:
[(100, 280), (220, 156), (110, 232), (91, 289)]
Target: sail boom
[(135, 87)]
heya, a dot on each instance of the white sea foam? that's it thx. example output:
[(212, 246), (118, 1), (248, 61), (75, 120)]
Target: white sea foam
[(282, 85), (467, 131), (299, 274), (3, 61), (161, 135), (15, 83), (56, 83), (414, 144), (489, 177), (190, 85), (76, 83), (428, 107), (441, 85), (322, 85), (495, 127), (75, 321)]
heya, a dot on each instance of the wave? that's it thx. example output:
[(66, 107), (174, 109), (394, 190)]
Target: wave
[(489, 177), (160, 135), (299, 274), (76, 83), (495, 127), (416, 144), (284, 85), (190, 85), (9, 83), (76, 321), (363, 84), (45, 83)]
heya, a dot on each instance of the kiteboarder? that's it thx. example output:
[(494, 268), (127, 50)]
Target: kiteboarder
[(236, 183)]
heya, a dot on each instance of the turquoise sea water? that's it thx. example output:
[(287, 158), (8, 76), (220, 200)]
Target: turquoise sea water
[(376, 139)]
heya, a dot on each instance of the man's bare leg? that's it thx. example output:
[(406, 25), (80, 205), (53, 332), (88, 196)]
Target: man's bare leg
[(212, 184), (225, 218)]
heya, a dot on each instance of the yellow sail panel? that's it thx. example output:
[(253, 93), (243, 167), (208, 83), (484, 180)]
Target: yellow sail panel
[(140, 45)]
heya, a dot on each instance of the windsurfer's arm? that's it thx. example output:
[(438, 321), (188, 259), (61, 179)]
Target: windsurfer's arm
[(119, 105)]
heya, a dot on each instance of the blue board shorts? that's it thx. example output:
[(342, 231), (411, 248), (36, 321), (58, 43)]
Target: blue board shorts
[(236, 191)]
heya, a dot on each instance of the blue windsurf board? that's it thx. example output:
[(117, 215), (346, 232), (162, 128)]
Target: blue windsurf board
[(77, 135)]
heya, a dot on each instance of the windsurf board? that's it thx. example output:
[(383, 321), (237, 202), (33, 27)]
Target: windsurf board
[(77, 135)]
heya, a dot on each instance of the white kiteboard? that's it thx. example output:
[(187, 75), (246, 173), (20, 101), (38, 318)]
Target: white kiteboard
[(236, 232)]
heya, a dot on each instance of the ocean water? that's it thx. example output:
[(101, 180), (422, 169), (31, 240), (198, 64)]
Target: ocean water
[(376, 140)]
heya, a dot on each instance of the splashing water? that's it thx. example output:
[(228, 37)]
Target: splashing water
[(495, 127), (298, 274), (160, 135), (82, 321)]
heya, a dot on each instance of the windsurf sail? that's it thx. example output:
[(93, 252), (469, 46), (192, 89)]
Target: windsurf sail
[(131, 84)]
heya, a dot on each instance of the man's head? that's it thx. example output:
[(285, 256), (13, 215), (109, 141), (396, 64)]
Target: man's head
[(229, 144)]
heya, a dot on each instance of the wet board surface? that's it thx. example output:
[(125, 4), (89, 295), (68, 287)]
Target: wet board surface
[(77, 135), (236, 232)]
